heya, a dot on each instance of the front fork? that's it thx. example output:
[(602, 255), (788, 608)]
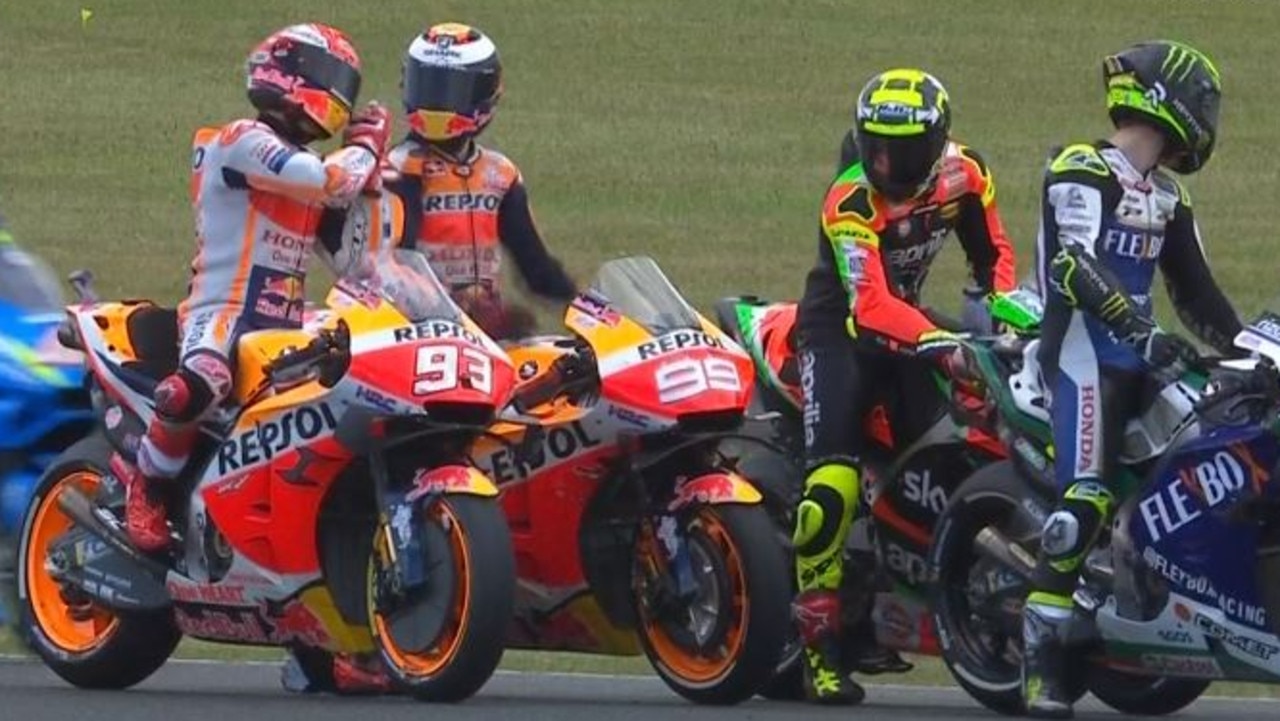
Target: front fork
[(400, 541), (671, 564)]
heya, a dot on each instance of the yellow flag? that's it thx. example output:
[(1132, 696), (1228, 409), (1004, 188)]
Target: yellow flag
[(85, 14)]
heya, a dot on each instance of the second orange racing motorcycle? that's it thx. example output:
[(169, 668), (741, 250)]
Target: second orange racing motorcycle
[(632, 533)]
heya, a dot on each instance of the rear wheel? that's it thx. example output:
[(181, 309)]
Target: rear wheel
[(720, 642), (442, 642), (87, 645), (978, 607)]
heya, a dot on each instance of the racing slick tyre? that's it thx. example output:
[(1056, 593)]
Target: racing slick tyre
[(723, 642), (442, 642), (87, 645)]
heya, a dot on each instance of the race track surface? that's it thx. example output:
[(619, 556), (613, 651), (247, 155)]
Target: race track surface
[(196, 691)]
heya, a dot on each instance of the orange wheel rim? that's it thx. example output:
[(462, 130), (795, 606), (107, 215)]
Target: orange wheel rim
[(433, 660), (691, 664), (70, 628)]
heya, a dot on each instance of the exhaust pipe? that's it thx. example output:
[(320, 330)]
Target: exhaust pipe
[(78, 506), (996, 546)]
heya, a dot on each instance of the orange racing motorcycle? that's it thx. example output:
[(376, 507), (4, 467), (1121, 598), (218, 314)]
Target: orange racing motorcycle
[(329, 508), (632, 533)]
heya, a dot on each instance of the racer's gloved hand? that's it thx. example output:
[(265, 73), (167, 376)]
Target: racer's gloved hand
[(1166, 350), (944, 349), (520, 322), (370, 128), (484, 306), (939, 346)]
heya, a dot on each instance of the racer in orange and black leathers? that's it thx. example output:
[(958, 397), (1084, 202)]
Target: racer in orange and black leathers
[(906, 187), (464, 202)]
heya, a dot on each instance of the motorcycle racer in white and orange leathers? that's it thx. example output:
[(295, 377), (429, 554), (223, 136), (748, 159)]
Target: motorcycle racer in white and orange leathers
[(260, 197)]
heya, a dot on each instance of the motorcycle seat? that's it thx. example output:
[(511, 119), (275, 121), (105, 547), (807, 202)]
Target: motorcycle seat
[(153, 332)]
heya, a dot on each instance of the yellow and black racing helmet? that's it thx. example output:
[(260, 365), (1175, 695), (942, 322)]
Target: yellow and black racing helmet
[(901, 126)]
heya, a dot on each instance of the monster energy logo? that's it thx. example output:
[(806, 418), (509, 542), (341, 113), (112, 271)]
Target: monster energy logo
[(1181, 60)]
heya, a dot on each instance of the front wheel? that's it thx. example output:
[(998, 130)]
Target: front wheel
[(720, 639), (1144, 695), (87, 645), (443, 640)]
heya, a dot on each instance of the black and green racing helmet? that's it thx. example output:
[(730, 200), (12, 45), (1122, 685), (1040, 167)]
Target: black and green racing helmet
[(1172, 86)]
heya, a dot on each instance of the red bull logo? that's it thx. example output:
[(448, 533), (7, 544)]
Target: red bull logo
[(714, 488), (281, 297), (292, 623), (296, 622), (284, 286), (449, 479)]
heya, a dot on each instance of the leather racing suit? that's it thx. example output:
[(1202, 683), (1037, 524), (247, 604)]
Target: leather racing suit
[(873, 258), (462, 212), (259, 202), (1105, 228)]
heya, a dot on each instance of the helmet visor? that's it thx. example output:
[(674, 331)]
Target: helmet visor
[(900, 166), (449, 89), (322, 71)]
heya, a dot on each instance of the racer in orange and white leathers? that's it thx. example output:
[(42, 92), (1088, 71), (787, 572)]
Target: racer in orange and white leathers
[(465, 203), (259, 195)]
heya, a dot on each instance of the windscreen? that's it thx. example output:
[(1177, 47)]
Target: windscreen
[(638, 289), (405, 280)]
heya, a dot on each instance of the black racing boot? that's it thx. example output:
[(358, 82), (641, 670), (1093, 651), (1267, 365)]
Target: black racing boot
[(817, 615)]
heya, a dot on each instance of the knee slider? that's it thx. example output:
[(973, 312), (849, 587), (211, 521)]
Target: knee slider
[(177, 398), (1060, 535), (188, 394), (826, 508)]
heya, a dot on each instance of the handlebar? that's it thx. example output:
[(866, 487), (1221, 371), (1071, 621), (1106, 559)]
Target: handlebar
[(567, 370), (1228, 388), (328, 354)]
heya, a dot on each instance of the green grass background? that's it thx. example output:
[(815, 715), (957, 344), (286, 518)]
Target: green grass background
[(701, 132)]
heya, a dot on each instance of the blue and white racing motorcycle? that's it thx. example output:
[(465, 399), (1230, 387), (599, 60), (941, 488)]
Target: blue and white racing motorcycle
[(44, 406), (1184, 587)]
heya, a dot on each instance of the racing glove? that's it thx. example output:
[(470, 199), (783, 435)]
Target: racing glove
[(1088, 285), (370, 129), (1158, 348), (941, 347)]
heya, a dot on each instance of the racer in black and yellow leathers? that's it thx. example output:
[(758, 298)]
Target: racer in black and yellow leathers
[(1110, 216), (906, 187)]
